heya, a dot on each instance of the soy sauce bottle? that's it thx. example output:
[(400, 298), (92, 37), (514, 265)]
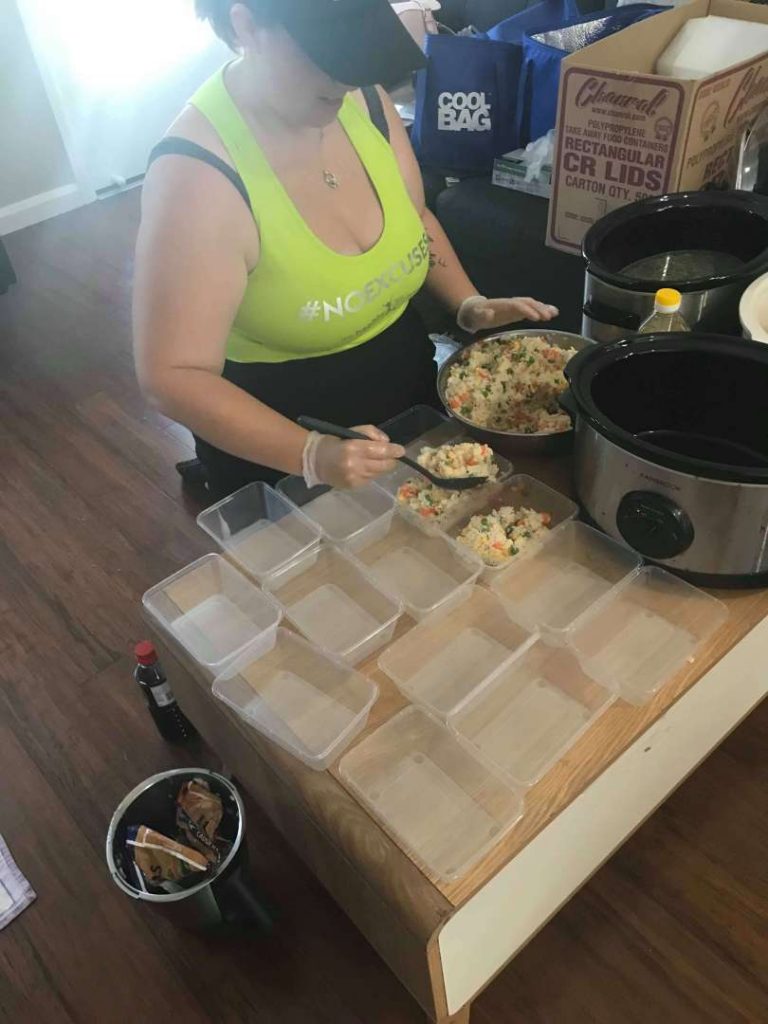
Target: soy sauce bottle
[(171, 722)]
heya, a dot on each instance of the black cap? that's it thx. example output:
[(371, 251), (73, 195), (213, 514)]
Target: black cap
[(356, 42)]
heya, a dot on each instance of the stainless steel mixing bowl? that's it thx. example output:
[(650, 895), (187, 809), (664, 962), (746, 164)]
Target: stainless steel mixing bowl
[(506, 442)]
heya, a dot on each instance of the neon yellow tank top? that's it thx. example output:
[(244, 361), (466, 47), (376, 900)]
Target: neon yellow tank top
[(303, 299)]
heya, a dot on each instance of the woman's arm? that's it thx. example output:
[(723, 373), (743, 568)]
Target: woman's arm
[(447, 279), (194, 252)]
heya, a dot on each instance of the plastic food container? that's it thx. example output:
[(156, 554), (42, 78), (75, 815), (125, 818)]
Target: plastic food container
[(519, 491), (259, 529), (422, 427), (305, 701), (445, 660), (414, 424), (213, 611), (350, 519), (573, 569), (532, 712), (336, 604), (644, 633), (431, 792), (425, 572)]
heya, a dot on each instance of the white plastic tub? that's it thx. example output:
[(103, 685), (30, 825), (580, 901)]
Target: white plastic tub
[(213, 611), (336, 604), (532, 712), (641, 636), (259, 530), (572, 570), (431, 792), (350, 519), (427, 573), (447, 658), (300, 698)]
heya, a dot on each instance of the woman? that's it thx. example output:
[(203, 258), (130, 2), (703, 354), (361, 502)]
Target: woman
[(283, 237)]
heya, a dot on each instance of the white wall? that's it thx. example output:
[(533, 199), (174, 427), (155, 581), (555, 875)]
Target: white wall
[(36, 176)]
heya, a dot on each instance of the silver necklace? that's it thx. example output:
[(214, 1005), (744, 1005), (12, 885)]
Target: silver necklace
[(329, 177)]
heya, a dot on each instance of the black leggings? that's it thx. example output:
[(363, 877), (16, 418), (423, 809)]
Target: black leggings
[(367, 384)]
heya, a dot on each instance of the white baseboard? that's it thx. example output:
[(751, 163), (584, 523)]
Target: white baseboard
[(41, 207)]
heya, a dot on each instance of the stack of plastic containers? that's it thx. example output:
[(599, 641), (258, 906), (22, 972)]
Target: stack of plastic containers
[(502, 679)]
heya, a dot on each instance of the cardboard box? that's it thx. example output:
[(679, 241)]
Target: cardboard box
[(509, 172), (624, 133)]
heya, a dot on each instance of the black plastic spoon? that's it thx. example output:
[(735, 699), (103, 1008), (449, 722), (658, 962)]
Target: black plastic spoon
[(449, 484)]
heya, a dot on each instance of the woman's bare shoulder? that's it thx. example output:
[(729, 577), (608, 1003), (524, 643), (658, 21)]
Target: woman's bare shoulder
[(191, 124), (179, 190)]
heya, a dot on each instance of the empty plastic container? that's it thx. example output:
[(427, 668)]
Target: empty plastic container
[(348, 518), (436, 798), (336, 604), (259, 529), (425, 572), (413, 424), (446, 659), (519, 491), (532, 712), (213, 611), (574, 568), (644, 633), (305, 701)]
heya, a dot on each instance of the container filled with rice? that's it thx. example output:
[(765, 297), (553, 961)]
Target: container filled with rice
[(434, 504), (516, 518)]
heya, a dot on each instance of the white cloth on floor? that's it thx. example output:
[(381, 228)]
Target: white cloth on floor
[(15, 891)]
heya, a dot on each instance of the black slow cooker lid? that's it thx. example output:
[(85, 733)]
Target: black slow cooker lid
[(697, 404), (732, 223)]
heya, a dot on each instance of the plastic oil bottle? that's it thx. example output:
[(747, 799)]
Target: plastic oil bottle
[(666, 317)]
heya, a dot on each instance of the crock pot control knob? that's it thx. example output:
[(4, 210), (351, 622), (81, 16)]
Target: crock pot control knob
[(654, 525)]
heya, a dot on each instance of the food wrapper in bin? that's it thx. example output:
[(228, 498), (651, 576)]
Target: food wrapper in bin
[(163, 861), (198, 816)]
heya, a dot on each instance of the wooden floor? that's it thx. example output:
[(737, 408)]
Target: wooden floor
[(674, 930)]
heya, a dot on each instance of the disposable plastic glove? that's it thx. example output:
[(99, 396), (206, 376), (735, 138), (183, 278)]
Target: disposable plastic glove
[(480, 314), (347, 464)]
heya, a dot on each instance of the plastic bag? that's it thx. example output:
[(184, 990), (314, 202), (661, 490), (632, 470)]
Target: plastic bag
[(538, 155)]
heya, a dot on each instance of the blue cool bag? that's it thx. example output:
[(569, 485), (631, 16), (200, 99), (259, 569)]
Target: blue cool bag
[(543, 51), (465, 103)]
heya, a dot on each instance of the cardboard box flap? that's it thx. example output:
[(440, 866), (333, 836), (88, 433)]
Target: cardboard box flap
[(625, 133)]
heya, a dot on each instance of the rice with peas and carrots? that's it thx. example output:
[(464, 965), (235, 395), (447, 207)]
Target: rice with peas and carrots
[(511, 384), (502, 534), (452, 461)]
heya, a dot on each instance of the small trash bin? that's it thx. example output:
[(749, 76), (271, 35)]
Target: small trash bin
[(226, 895)]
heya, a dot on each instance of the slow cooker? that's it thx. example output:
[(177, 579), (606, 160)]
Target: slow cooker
[(708, 245), (671, 451)]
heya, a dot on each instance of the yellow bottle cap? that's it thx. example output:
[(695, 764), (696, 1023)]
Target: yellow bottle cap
[(668, 300)]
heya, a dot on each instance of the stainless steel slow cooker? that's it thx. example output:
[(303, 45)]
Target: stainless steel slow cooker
[(671, 451), (708, 245)]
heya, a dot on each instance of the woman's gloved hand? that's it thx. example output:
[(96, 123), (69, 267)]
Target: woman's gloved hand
[(345, 464), (480, 314)]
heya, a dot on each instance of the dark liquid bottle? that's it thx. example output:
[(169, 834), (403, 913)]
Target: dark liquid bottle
[(171, 722)]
